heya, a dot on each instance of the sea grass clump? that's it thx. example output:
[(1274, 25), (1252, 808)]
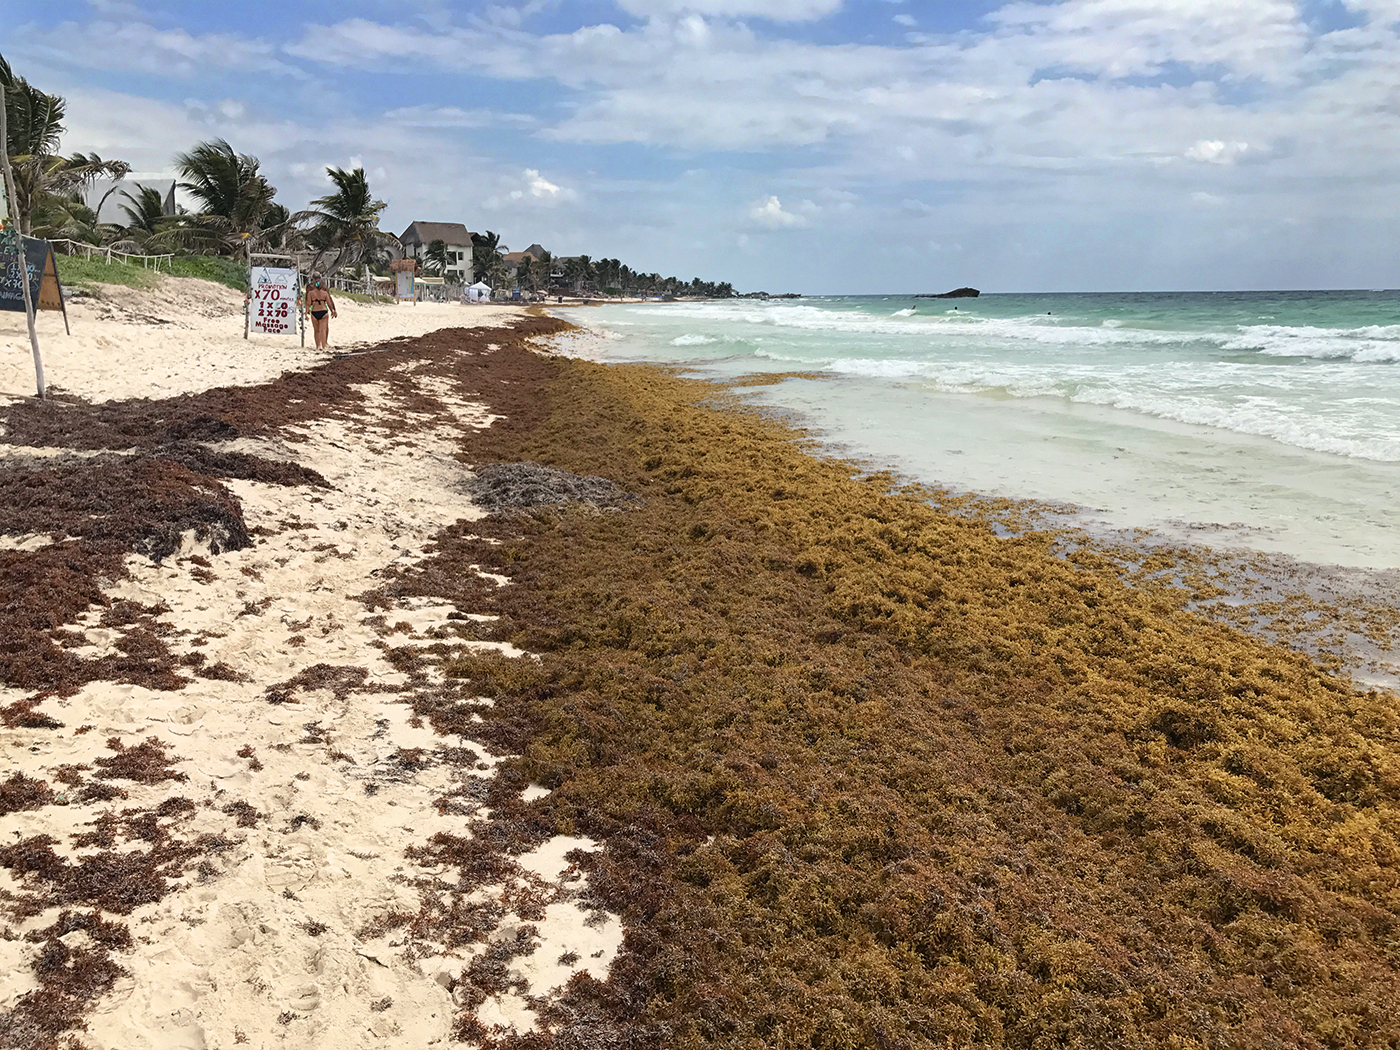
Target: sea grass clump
[(498, 487)]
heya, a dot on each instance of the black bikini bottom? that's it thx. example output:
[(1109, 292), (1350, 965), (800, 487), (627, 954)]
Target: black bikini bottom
[(318, 314)]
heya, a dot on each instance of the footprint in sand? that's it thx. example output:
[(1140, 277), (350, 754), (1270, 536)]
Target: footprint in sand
[(291, 869), (304, 999)]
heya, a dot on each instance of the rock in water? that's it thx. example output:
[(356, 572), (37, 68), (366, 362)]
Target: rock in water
[(956, 293)]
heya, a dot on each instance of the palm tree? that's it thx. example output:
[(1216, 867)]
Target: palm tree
[(486, 255), (534, 272), (280, 231), (236, 201), (225, 183), (66, 215), (436, 254), (147, 211), (347, 222), (578, 270), (33, 130)]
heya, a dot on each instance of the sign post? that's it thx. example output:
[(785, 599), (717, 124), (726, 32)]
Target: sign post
[(274, 300), (10, 235), (403, 270)]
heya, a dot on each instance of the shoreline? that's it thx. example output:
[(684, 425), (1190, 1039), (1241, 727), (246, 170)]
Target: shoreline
[(800, 752), (1240, 576), (1129, 466)]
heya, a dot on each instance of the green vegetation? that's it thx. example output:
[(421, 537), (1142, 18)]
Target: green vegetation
[(77, 272), (45, 182), (582, 274), (361, 297), (869, 775), (220, 269)]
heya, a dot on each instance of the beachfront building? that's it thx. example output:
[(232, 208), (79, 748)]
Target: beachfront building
[(456, 237), (534, 253)]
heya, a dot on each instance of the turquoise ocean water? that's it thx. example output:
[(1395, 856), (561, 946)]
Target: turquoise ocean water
[(1268, 420)]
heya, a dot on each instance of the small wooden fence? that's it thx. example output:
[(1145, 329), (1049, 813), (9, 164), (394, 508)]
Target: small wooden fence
[(87, 251)]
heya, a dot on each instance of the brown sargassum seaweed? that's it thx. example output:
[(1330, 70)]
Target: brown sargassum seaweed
[(870, 775)]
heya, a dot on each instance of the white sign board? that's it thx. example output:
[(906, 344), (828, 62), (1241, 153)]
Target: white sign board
[(405, 285), (272, 308)]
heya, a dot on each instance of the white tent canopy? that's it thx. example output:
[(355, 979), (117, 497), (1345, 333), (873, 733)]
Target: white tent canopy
[(477, 293)]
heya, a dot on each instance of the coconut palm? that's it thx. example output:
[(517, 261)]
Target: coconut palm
[(33, 131), (237, 213), (146, 214), (436, 256), (225, 183), (486, 256), (347, 223), (66, 215), (533, 272)]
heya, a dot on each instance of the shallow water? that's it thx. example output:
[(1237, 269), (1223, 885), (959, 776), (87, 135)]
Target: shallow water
[(1268, 420)]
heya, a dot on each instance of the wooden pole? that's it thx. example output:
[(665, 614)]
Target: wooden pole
[(13, 198)]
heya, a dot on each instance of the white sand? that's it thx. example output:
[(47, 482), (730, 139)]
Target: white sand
[(187, 335), (231, 958)]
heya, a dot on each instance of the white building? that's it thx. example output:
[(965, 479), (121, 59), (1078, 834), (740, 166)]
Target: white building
[(107, 197), (454, 235)]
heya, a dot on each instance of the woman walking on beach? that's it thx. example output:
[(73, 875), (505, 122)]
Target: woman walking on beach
[(320, 303)]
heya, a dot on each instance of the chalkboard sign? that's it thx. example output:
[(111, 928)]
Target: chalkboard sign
[(36, 257)]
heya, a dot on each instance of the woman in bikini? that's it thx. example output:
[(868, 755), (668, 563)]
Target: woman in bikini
[(320, 303)]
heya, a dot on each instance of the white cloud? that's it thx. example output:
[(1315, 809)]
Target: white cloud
[(771, 213), (529, 187), (456, 117), (1120, 38), (1215, 151), (1210, 200), (136, 45), (539, 186), (774, 10), (906, 20)]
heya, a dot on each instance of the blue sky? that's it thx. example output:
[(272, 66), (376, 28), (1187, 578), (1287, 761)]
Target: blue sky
[(810, 145)]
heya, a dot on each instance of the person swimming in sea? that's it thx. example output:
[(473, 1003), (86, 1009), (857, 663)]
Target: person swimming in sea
[(320, 304)]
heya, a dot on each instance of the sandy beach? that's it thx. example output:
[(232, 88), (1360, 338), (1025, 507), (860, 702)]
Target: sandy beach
[(186, 335), (453, 691), (258, 869)]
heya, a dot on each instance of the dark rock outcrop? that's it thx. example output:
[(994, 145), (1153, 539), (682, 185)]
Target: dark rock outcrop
[(956, 293)]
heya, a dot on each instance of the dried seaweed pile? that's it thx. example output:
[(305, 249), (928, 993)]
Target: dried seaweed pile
[(870, 775), (142, 504), (102, 508), (133, 858), (225, 413), (519, 486)]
